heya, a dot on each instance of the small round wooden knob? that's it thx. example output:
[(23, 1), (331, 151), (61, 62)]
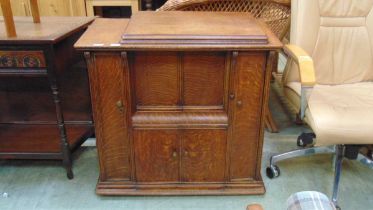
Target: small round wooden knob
[(231, 96), (119, 105), (185, 152), (239, 103), (174, 154)]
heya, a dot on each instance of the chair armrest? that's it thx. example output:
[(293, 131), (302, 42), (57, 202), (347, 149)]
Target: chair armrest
[(254, 207), (305, 64)]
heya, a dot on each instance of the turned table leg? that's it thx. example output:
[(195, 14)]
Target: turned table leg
[(148, 5)]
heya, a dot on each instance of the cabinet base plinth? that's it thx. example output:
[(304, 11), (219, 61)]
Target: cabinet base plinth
[(138, 189)]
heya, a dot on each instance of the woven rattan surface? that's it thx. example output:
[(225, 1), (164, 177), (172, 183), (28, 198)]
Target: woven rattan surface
[(276, 13)]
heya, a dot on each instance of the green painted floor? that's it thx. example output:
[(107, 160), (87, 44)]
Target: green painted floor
[(43, 184)]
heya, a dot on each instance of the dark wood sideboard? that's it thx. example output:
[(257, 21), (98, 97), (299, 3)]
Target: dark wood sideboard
[(45, 110), (178, 105)]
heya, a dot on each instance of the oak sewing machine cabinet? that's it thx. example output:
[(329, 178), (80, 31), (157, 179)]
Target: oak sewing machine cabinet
[(179, 104)]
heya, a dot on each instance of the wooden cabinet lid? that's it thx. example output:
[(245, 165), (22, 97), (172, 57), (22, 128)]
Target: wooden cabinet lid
[(182, 29), (179, 30)]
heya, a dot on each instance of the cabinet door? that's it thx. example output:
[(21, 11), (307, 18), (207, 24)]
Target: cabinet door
[(109, 84), (203, 155), (247, 84), (156, 155)]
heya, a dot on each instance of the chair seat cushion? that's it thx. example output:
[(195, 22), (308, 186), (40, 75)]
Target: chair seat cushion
[(342, 114)]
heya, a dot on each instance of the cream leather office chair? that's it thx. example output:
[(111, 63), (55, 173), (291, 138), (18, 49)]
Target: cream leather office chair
[(329, 79)]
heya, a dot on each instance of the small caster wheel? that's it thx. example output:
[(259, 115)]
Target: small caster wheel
[(305, 139), (300, 143), (338, 208), (273, 171), (70, 175)]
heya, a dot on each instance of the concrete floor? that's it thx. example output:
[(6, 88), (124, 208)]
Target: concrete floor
[(43, 184)]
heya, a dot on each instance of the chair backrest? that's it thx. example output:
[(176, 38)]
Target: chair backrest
[(338, 34), (276, 13)]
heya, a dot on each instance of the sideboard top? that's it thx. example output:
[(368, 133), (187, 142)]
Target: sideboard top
[(49, 30), (178, 30)]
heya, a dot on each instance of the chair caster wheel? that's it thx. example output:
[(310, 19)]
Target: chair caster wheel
[(273, 171), (305, 139)]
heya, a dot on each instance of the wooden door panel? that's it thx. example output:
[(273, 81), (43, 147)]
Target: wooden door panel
[(156, 78), (107, 81), (204, 76), (203, 155), (245, 111), (156, 155)]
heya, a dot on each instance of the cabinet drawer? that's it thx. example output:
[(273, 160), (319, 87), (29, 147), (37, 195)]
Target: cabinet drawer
[(22, 59)]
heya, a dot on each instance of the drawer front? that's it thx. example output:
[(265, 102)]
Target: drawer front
[(22, 59)]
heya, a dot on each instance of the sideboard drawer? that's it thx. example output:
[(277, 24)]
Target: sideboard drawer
[(22, 59)]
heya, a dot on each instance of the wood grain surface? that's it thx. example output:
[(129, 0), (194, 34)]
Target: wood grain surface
[(203, 84), (156, 78), (183, 28), (203, 155), (157, 155), (107, 34), (111, 126), (245, 113)]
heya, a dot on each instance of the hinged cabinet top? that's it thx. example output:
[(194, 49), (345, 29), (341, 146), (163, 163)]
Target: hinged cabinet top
[(180, 30), (192, 28)]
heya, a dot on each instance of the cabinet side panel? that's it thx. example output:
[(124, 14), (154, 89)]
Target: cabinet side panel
[(107, 82), (245, 111)]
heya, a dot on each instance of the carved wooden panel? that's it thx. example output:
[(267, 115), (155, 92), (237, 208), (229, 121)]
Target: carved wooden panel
[(157, 155), (245, 111), (156, 78), (203, 155), (22, 59), (203, 83), (107, 88)]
